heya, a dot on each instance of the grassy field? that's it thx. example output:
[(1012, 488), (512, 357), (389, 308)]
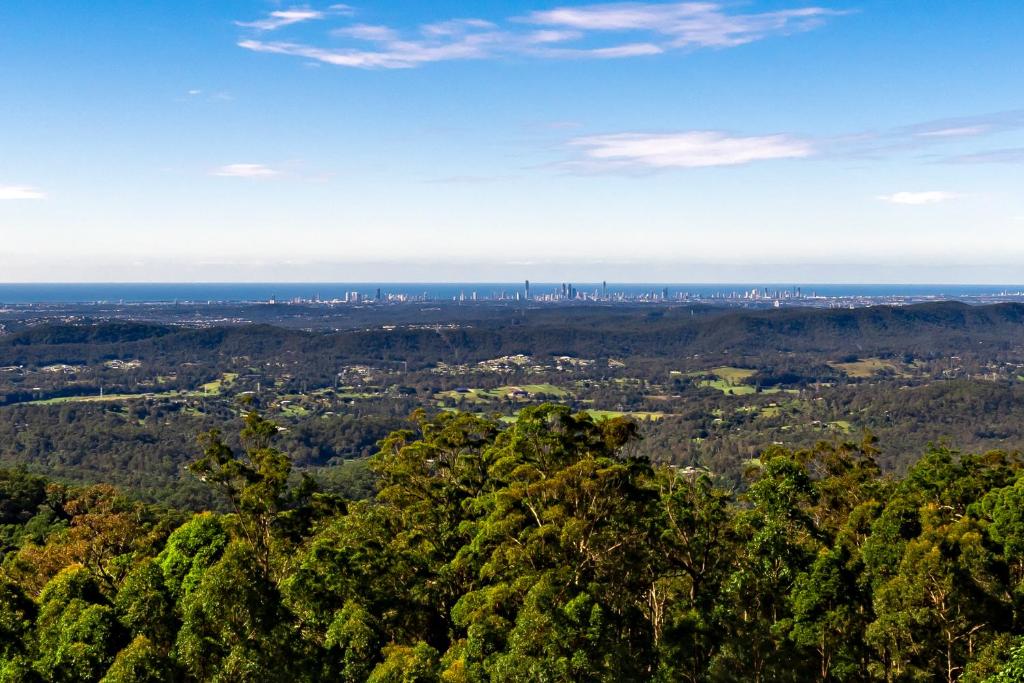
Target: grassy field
[(293, 410), (507, 419), (343, 393), (729, 380), (865, 367), (108, 398), (728, 388), (487, 395), (840, 426), (471, 396), (218, 385), (210, 388), (639, 415), (733, 375), (536, 389), (743, 389)]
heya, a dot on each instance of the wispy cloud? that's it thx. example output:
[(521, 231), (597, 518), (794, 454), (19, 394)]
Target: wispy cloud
[(615, 52), (924, 135), (961, 132), (404, 55), (456, 27), (629, 151), (1010, 155), (367, 32), (13, 192), (245, 171), (296, 15), (197, 94), (282, 18), (684, 24), (694, 149), (601, 31), (919, 198), (966, 126)]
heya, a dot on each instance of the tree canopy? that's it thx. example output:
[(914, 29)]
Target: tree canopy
[(545, 549)]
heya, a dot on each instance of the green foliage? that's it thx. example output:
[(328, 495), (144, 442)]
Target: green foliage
[(140, 662), (256, 482), (353, 641), (17, 615), (77, 632), (562, 560), (406, 664), (1012, 671), (828, 606), (232, 624), (144, 604), (189, 552), (1004, 508), (543, 549)]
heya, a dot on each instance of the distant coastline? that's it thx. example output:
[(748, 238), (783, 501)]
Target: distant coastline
[(283, 292)]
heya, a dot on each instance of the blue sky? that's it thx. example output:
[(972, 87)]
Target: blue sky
[(703, 141)]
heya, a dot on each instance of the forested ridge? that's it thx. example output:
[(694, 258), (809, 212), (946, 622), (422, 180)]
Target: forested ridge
[(546, 549), (584, 331)]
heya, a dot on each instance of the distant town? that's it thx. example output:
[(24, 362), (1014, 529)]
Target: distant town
[(568, 293)]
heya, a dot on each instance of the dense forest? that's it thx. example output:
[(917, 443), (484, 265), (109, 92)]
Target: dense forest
[(544, 549)]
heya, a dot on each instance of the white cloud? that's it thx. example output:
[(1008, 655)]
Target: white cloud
[(1009, 155), (958, 132), (456, 27), (245, 171), (543, 36), (919, 198), (12, 192), (685, 24), (692, 149), (367, 32), (614, 52), (579, 32), (914, 138), (402, 55), (630, 151), (967, 126), (281, 18)]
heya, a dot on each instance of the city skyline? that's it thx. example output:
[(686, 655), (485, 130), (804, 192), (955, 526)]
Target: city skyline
[(647, 141)]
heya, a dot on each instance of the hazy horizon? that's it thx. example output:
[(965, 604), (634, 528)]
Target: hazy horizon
[(628, 283), (652, 273)]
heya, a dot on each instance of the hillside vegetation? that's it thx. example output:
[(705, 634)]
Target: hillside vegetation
[(545, 549), (122, 402)]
